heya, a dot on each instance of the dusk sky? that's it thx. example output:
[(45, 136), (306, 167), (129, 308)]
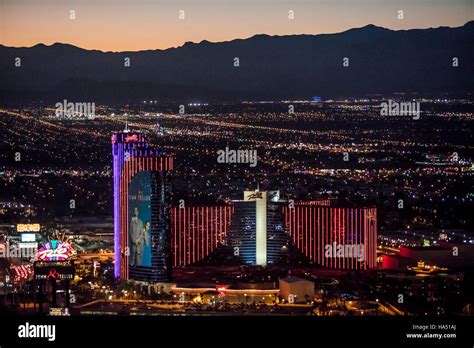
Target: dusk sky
[(132, 25)]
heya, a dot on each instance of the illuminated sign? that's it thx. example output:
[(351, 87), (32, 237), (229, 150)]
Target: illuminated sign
[(29, 246), (316, 202), (55, 250), (59, 312), (250, 195), (274, 196), (28, 227), (54, 271), (21, 272), (28, 237), (131, 138)]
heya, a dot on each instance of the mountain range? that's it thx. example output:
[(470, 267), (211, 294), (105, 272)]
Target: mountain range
[(380, 62)]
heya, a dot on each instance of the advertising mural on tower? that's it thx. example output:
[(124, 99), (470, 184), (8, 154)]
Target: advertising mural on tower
[(139, 209)]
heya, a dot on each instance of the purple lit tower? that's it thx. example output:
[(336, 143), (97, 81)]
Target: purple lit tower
[(141, 209)]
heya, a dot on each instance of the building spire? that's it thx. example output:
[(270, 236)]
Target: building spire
[(126, 130)]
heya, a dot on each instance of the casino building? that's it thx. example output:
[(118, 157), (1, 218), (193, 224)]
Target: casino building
[(197, 231), (141, 209), (331, 236), (151, 237), (257, 233), (261, 229)]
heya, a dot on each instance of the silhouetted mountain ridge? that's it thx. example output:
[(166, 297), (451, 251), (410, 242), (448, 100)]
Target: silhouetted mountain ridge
[(381, 61)]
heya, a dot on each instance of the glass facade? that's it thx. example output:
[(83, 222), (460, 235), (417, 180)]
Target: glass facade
[(242, 240)]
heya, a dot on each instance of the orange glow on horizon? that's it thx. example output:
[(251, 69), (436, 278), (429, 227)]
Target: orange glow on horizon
[(144, 24)]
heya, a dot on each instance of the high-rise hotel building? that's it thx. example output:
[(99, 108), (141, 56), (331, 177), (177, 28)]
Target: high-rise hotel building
[(257, 232), (141, 209)]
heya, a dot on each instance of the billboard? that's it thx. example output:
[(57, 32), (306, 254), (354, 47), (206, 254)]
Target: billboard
[(139, 217), (28, 237)]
